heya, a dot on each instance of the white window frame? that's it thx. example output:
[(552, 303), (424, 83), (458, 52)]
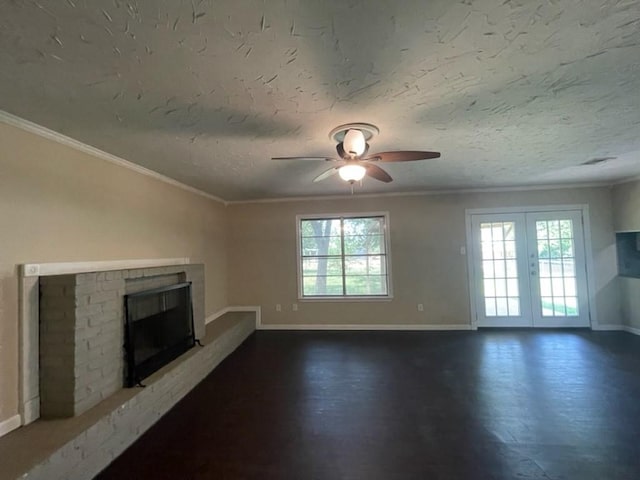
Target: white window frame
[(345, 298)]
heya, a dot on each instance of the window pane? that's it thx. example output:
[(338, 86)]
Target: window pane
[(572, 306), (510, 249), (489, 288), (364, 265), (487, 269), (501, 307), (554, 229), (512, 269), (313, 266), (543, 249), (497, 232), (362, 244), (541, 230), (566, 247), (498, 250), (547, 306), (501, 287), (570, 286), (322, 286), (569, 268), (509, 231), (485, 232), (490, 307), (554, 249), (498, 267), (487, 251), (557, 284), (512, 287), (545, 268), (514, 306), (366, 285), (364, 226), (566, 229), (556, 268), (319, 246), (558, 307), (320, 228)]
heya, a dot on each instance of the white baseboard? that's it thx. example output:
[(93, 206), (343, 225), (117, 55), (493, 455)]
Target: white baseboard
[(607, 328), (634, 330), (221, 312), (9, 424), (386, 327), (617, 328)]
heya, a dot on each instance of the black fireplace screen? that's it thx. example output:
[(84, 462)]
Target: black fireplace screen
[(159, 328)]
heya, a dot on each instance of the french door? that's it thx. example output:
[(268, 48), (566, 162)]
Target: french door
[(529, 269)]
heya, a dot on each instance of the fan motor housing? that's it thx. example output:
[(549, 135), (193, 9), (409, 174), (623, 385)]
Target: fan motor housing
[(368, 130)]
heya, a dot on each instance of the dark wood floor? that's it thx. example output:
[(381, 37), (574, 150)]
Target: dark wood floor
[(406, 405)]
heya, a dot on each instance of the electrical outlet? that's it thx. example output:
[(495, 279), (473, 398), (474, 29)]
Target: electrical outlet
[(420, 307), (294, 307), (278, 307)]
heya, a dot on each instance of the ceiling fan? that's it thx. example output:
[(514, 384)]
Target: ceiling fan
[(354, 162)]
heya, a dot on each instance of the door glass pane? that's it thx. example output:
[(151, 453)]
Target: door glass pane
[(556, 261), (487, 269), (512, 269), (499, 269), (502, 306), (490, 307), (514, 306), (545, 268)]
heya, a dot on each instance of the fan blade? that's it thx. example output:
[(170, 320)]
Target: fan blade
[(327, 159), (402, 156), (376, 172), (326, 174)]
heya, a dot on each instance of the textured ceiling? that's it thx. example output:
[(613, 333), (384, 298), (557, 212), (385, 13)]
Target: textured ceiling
[(511, 92)]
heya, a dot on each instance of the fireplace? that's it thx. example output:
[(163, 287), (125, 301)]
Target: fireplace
[(80, 331), (158, 329)]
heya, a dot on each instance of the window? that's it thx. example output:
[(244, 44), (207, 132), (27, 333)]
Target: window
[(343, 256)]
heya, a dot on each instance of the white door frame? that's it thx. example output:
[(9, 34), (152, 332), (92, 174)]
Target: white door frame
[(583, 208)]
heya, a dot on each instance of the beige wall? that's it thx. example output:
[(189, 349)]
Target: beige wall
[(626, 206), (58, 204), (427, 232)]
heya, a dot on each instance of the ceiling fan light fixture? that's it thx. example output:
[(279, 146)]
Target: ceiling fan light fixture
[(354, 142), (352, 172)]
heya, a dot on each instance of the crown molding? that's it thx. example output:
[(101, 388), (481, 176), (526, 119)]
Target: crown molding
[(461, 191), (626, 180), (49, 134)]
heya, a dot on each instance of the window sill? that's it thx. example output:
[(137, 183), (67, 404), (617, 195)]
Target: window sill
[(387, 298)]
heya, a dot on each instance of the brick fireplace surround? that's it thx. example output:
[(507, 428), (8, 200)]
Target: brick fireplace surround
[(82, 332), (72, 364)]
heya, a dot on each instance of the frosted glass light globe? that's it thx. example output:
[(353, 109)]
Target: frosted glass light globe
[(352, 173), (354, 142)]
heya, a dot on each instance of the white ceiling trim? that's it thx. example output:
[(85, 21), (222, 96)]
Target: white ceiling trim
[(627, 180), (44, 132), (525, 188)]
